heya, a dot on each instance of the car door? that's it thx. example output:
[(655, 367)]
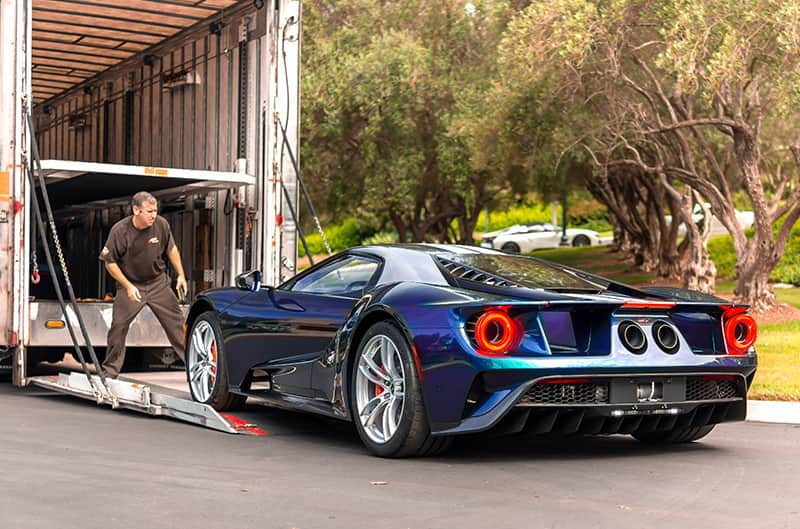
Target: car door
[(539, 237), (551, 237), (293, 324)]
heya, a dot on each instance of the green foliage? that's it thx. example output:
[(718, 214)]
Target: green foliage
[(720, 250), (383, 237), (787, 270), (633, 79), (390, 92), (582, 212), (518, 215), (341, 236)]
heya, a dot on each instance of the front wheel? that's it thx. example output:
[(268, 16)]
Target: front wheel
[(511, 247), (675, 436), (386, 397), (206, 365)]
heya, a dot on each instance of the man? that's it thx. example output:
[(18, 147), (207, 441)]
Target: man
[(134, 256)]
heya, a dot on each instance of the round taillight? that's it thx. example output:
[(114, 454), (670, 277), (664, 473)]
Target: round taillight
[(740, 333), (497, 332)]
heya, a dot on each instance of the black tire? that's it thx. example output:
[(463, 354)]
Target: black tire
[(581, 240), (220, 397), (511, 247), (675, 436), (412, 436)]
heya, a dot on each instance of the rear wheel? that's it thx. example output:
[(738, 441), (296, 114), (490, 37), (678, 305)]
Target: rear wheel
[(581, 240), (675, 436), (206, 365), (386, 397), (510, 247)]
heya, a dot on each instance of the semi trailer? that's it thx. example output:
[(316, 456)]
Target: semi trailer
[(195, 101)]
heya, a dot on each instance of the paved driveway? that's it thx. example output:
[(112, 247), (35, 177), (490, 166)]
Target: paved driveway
[(66, 464)]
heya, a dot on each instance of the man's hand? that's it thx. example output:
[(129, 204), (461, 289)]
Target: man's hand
[(181, 284), (133, 293)]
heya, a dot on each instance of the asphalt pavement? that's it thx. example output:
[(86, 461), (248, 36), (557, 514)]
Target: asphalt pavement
[(66, 464)]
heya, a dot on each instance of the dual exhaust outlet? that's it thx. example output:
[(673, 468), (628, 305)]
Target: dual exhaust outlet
[(634, 338)]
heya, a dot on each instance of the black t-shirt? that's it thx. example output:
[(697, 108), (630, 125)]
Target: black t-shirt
[(139, 253)]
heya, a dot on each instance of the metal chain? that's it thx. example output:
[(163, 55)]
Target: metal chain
[(322, 233), (59, 252)]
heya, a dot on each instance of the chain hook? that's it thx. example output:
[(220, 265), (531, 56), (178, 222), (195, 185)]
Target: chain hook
[(35, 277)]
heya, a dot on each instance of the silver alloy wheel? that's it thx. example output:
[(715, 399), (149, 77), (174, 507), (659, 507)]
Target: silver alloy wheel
[(202, 361), (380, 388)]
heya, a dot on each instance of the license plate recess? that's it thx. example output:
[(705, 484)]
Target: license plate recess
[(636, 390)]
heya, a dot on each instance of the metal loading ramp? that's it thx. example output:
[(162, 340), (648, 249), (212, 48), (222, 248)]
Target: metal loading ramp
[(146, 398)]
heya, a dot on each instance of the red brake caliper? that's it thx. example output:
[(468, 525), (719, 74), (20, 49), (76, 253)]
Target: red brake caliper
[(378, 388), (214, 359)]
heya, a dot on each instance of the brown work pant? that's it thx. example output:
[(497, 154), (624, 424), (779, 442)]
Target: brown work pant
[(158, 295)]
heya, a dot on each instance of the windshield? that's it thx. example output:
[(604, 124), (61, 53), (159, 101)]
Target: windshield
[(526, 271)]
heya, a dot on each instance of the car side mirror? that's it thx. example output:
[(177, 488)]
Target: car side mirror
[(249, 281)]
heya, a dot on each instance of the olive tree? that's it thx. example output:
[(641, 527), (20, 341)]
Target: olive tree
[(700, 95)]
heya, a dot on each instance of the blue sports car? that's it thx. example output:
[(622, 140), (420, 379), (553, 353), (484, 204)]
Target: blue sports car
[(418, 343)]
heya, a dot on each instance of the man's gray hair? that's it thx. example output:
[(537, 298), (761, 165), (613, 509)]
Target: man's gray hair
[(141, 197)]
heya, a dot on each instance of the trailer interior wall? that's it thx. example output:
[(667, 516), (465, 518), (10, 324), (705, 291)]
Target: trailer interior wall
[(174, 106), (108, 89), (155, 84), (177, 106)]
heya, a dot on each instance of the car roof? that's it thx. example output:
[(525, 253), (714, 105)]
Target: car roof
[(405, 249), (414, 261)]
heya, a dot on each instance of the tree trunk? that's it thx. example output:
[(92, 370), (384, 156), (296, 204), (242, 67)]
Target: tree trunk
[(701, 272), (400, 226), (753, 286), (758, 256), (648, 257), (670, 264), (698, 270)]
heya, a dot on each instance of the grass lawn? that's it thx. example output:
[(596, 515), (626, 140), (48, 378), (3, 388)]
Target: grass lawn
[(778, 375)]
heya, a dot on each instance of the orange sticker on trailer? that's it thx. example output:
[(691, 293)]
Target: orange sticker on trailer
[(5, 186), (156, 171)]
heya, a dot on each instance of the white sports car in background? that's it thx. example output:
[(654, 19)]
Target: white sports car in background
[(537, 235), (745, 219)]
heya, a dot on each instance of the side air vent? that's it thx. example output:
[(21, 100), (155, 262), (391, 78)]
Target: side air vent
[(461, 271)]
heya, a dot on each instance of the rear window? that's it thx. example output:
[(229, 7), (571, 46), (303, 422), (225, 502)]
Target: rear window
[(525, 271)]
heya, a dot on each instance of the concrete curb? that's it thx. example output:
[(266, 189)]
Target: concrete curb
[(773, 411)]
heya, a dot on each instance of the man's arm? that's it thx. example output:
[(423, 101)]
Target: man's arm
[(116, 273), (175, 260)]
